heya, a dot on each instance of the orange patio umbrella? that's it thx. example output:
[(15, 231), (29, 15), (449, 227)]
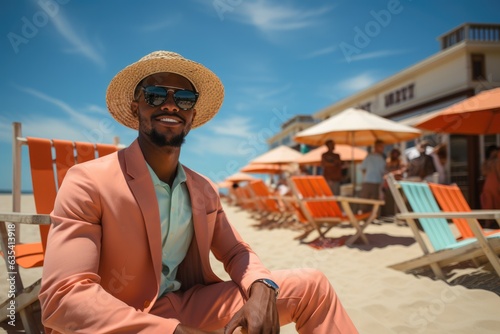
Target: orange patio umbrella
[(240, 177), (256, 168), (479, 114), (278, 155), (224, 184), (346, 152)]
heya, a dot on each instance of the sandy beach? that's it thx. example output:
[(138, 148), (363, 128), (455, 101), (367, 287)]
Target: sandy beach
[(378, 299)]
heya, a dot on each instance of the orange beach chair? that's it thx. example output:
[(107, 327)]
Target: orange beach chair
[(317, 206), (49, 162), (451, 199)]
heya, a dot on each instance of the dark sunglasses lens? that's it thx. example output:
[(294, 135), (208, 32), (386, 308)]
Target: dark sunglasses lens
[(155, 96), (185, 99)]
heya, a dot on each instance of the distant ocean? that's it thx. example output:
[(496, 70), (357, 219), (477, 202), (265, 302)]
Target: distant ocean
[(8, 191)]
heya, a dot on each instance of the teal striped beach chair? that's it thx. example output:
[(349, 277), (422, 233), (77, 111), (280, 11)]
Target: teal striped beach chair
[(445, 249)]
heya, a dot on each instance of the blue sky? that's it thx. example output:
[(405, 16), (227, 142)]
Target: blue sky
[(276, 59)]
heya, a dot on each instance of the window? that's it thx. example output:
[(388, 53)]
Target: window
[(477, 62)]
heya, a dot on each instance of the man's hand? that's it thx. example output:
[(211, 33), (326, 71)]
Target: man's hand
[(259, 315)]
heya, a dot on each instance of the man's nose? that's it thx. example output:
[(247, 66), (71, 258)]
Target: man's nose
[(169, 103)]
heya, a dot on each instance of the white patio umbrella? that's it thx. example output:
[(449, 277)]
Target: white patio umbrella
[(357, 127)]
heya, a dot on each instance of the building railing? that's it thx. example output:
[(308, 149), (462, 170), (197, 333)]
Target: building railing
[(298, 119), (471, 32)]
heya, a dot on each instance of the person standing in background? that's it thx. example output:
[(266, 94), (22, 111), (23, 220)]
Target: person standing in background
[(421, 168), (490, 195), (373, 169), (394, 165), (439, 156), (332, 167)]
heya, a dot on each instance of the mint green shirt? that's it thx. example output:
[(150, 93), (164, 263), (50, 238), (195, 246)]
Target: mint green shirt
[(176, 218)]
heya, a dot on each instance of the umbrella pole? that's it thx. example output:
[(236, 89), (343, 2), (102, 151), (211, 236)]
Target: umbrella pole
[(353, 167)]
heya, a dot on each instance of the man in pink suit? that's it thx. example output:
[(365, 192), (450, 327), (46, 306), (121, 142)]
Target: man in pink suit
[(128, 250)]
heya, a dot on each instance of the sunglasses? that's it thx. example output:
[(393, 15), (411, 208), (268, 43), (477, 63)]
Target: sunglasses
[(157, 95)]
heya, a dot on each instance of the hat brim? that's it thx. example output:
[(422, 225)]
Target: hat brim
[(120, 93)]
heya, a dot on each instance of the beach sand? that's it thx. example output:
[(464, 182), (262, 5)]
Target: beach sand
[(378, 299)]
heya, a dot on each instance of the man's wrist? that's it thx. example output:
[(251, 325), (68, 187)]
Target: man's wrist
[(270, 284)]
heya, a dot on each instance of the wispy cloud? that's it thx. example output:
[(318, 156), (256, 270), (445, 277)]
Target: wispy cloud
[(274, 92), (234, 136), (97, 109), (59, 103), (5, 130), (79, 43), (208, 145), (376, 54), (263, 92), (357, 83), (235, 126), (89, 123), (271, 17), (160, 24), (336, 90), (320, 52)]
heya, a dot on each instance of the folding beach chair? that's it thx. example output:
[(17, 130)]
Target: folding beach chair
[(49, 162), (245, 198), (272, 207), (444, 248), (318, 207), (451, 199)]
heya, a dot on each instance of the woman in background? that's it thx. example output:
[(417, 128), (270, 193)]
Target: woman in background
[(490, 196)]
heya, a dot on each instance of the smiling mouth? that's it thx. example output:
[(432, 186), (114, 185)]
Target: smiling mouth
[(168, 120)]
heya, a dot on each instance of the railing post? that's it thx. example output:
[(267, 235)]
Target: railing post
[(467, 36), (16, 167), (16, 174)]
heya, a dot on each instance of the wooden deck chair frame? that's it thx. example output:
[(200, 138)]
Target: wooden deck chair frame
[(474, 248), (323, 211), (47, 174)]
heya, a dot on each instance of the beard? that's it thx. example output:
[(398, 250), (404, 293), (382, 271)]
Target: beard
[(162, 141)]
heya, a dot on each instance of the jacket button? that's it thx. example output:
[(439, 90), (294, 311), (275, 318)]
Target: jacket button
[(147, 303)]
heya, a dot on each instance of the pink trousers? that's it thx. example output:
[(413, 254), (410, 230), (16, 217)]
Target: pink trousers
[(306, 298)]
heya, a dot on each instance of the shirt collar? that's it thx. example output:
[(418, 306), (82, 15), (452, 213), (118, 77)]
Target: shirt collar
[(180, 177)]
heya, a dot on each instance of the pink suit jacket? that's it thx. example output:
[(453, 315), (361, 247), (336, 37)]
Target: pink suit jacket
[(103, 258)]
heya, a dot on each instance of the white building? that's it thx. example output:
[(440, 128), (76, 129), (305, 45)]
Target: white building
[(468, 62)]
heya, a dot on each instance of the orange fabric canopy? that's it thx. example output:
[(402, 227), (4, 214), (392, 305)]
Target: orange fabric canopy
[(313, 158), (240, 177), (278, 155), (257, 168), (479, 114)]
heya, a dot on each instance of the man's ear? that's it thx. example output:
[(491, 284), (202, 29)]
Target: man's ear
[(134, 107)]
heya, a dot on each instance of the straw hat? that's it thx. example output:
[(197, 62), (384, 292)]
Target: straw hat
[(121, 89)]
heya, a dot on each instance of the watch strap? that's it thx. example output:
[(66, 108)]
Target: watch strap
[(270, 284)]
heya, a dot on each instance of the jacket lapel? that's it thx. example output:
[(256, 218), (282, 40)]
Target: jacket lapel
[(199, 212), (203, 228), (142, 188)]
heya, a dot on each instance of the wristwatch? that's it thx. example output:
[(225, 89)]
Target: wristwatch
[(270, 284)]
